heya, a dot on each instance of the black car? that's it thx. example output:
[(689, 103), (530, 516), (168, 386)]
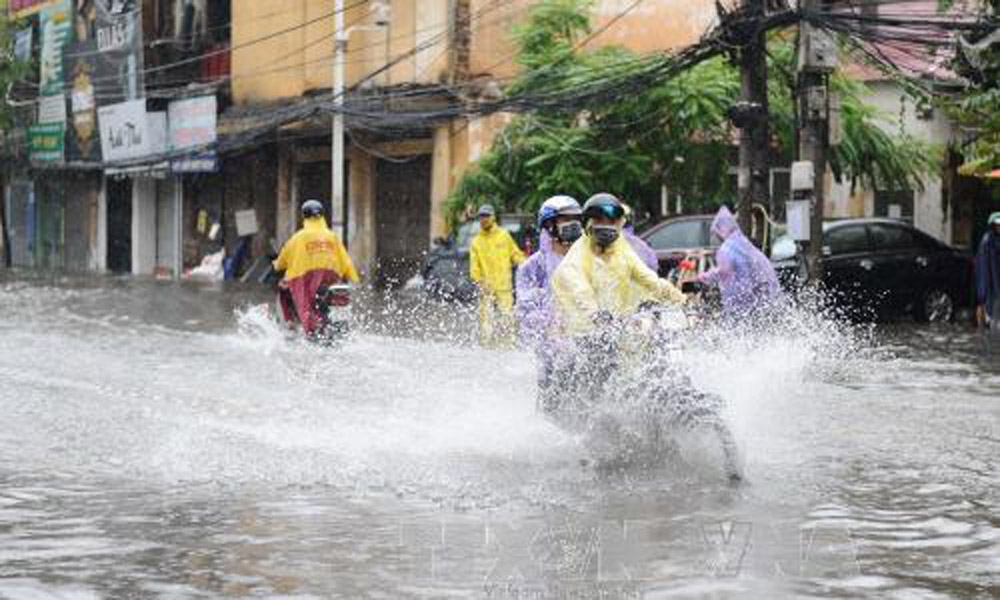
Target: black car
[(675, 239), (445, 271), (878, 267)]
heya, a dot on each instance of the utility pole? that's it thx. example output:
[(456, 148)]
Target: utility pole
[(817, 60), (337, 134), (751, 116), (381, 11)]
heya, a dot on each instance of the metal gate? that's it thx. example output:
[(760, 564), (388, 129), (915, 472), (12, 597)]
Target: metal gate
[(402, 218)]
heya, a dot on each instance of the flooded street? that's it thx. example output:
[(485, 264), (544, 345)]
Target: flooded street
[(168, 440)]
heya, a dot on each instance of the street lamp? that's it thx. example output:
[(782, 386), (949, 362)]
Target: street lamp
[(381, 11)]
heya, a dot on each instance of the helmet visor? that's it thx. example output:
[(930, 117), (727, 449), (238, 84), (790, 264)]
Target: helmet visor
[(606, 210)]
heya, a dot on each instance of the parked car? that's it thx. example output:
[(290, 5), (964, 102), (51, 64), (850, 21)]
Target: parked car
[(878, 267), (675, 239), (445, 271)]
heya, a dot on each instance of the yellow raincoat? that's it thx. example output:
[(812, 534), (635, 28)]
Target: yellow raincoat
[(492, 258), (315, 247), (616, 281)]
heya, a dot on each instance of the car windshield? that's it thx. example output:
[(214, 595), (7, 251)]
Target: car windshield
[(689, 233)]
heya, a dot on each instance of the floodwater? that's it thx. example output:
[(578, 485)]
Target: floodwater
[(169, 441)]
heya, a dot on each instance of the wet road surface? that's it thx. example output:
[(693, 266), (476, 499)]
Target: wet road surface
[(168, 440)]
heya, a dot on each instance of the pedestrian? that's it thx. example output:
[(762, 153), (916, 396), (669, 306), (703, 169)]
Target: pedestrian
[(559, 224), (645, 252), (492, 259), (745, 277), (988, 276)]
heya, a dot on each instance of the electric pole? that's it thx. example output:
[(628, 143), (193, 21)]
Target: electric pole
[(751, 116), (817, 60)]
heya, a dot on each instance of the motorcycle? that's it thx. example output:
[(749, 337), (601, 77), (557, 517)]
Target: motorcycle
[(331, 304), (625, 391)]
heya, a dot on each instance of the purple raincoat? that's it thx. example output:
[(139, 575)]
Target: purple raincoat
[(642, 249), (535, 314), (744, 275)]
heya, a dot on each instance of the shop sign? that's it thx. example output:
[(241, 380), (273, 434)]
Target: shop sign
[(56, 26), (124, 130), (193, 123), (24, 8), (45, 142), (52, 109)]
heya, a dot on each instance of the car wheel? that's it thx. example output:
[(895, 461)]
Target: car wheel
[(936, 306)]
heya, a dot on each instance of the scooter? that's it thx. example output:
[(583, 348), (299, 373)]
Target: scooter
[(332, 305), (625, 391)]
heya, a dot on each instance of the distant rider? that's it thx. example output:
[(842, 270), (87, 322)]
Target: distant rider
[(645, 252), (988, 275), (745, 277), (560, 225), (313, 257), (492, 259), (601, 276)]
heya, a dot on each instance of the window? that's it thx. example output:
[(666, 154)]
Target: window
[(680, 234), (894, 205), (890, 237), (847, 240)]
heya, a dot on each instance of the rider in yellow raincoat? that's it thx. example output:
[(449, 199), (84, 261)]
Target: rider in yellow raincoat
[(492, 259), (601, 275), (314, 256)]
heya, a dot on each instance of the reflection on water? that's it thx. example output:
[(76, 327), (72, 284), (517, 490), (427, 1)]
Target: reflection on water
[(157, 443)]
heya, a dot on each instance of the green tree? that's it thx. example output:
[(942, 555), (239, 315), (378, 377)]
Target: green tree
[(674, 131), (11, 69)]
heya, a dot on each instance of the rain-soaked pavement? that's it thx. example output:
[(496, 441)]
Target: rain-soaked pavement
[(167, 440)]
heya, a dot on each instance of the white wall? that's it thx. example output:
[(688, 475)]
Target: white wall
[(900, 115)]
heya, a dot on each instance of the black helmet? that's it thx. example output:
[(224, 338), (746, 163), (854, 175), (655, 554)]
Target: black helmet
[(603, 205), (312, 208)]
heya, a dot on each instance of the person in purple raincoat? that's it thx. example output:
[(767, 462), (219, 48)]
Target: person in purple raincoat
[(639, 245), (559, 224), (743, 274)]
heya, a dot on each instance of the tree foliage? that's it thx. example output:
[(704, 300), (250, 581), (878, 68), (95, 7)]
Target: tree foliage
[(675, 132), (11, 69)]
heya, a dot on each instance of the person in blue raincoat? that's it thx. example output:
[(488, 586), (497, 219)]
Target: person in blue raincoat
[(639, 245), (745, 277), (559, 224), (988, 276)]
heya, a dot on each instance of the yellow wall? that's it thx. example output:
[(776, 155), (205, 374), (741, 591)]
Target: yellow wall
[(649, 26), (301, 58)]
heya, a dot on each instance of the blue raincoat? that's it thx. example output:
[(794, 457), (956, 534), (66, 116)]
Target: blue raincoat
[(535, 314), (744, 275), (641, 248), (988, 274)]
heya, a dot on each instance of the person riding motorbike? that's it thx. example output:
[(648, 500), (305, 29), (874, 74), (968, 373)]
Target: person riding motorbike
[(559, 224), (601, 276), (311, 258), (492, 259), (645, 252)]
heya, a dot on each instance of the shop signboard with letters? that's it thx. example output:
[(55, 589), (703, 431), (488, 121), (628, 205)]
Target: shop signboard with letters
[(124, 130), (193, 124)]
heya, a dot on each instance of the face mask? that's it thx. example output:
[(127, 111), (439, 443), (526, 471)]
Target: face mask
[(604, 235), (569, 232)]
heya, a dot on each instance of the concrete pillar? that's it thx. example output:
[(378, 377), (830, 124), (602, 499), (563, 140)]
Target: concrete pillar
[(285, 201), (440, 180), (362, 240)]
